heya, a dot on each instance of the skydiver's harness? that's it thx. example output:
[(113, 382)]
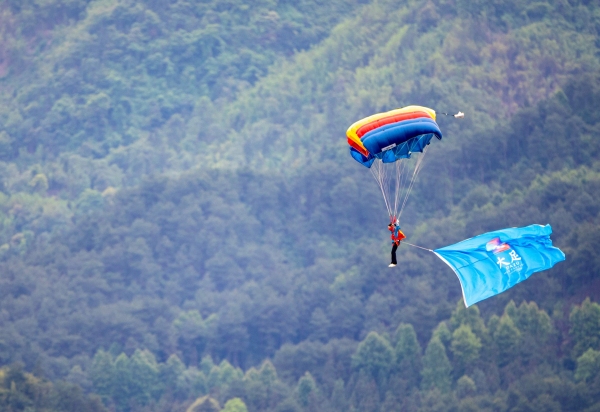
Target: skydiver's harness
[(397, 234)]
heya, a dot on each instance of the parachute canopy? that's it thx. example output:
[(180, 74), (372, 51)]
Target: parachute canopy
[(488, 264), (392, 135), (384, 143)]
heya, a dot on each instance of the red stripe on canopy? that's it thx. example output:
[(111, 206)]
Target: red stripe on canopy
[(358, 148)]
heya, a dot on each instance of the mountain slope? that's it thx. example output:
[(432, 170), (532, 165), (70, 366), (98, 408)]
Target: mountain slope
[(223, 220)]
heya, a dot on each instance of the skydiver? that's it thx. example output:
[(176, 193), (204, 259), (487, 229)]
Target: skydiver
[(397, 237)]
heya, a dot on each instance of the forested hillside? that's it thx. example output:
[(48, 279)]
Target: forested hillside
[(182, 227)]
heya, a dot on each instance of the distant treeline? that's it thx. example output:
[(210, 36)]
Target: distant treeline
[(519, 361)]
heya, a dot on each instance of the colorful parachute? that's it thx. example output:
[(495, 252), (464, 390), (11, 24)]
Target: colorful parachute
[(392, 135), (382, 142), (488, 264)]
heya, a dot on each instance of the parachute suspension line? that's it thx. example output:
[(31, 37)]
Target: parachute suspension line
[(379, 173), (391, 180), (396, 182), (404, 184), (413, 179), (400, 166), (415, 173), (396, 166)]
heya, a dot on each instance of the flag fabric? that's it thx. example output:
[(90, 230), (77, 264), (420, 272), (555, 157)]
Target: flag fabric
[(488, 264)]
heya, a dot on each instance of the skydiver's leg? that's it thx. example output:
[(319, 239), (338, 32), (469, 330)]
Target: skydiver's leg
[(394, 248)]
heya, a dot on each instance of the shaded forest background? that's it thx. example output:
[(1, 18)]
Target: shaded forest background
[(182, 228)]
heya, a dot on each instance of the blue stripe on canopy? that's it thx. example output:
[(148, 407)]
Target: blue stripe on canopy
[(360, 158), (397, 133)]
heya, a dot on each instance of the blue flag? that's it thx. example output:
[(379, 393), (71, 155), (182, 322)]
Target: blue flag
[(489, 264)]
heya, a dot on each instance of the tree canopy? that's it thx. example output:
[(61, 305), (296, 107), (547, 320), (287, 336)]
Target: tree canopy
[(182, 227)]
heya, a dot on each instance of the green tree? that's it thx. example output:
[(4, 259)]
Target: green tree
[(374, 356), (268, 374), (319, 324), (465, 387), (66, 397), (588, 365), (365, 395), (585, 327), (191, 330), (468, 316), (144, 376), (228, 374), (235, 405), (194, 382), (506, 338), (21, 391), (442, 333), (171, 374), (102, 374), (90, 200), (530, 319), (306, 388), (408, 354), (536, 329), (465, 346), (436, 367), (121, 393), (338, 396), (206, 365)]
